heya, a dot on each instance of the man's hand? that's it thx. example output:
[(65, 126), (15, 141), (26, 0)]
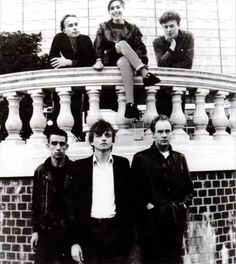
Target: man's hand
[(77, 254), (60, 62), (172, 44), (34, 240), (98, 65)]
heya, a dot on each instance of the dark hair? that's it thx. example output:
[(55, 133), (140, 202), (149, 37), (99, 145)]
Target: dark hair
[(62, 25), (121, 2), (169, 15), (58, 132), (159, 118), (99, 128)]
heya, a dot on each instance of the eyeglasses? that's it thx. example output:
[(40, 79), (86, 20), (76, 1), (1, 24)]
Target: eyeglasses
[(61, 143)]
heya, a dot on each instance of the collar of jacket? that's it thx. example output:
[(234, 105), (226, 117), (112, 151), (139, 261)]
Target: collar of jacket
[(126, 24), (154, 149), (48, 167)]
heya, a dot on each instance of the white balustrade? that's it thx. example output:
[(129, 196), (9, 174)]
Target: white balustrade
[(177, 116), (38, 120), (65, 118), (200, 118), (232, 119), (94, 113), (220, 120), (13, 123)]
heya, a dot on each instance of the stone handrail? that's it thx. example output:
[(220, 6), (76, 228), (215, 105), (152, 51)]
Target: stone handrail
[(63, 81)]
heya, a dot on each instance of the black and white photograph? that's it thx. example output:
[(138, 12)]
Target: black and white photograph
[(117, 132)]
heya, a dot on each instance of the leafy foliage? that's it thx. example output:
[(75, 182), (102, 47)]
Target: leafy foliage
[(19, 52)]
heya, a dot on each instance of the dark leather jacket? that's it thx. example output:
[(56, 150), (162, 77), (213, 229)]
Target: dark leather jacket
[(157, 179), (52, 196), (104, 43), (181, 57)]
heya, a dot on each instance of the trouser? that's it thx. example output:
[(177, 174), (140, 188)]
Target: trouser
[(53, 247), (109, 242), (127, 64)]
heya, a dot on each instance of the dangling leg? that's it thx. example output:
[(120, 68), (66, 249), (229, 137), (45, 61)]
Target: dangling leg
[(124, 48), (127, 76)]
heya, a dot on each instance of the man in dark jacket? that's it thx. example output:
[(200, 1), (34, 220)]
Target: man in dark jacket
[(174, 50), (163, 191), (52, 214), (70, 48), (103, 206)]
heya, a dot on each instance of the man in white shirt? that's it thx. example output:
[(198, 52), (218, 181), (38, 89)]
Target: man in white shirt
[(103, 232)]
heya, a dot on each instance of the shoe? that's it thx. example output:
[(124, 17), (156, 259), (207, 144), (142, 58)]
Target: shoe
[(150, 79), (131, 111)]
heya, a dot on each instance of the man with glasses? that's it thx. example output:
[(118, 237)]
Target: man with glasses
[(163, 190), (52, 214), (103, 206)]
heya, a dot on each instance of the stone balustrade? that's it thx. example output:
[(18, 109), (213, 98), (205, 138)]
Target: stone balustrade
[(195, 84)]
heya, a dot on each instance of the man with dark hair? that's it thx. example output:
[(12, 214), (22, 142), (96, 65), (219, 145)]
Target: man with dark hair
[(52, 214), (163, 190), (175, 49), (103, 206)]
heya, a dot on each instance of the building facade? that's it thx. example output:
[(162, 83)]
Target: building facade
[(212, 22)]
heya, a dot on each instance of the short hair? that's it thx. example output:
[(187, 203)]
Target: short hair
[(99, 128), (159, 118), (58, 132), (169, 15), (121, 2), (62, 24)]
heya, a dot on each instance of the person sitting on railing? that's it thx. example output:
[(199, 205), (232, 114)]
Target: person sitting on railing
[(120, 43), (175, 49), (72, 49)]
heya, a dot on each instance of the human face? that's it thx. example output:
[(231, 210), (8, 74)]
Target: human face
[(102, 143), (171, 29), (57, 146), (71, 28), (162, 134), (116, 11)]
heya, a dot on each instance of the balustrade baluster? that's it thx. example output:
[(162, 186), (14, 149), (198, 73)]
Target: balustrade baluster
[(13, 123), (38, 120), (94, 113), (177, 116), (220, 120), (65, 118), (151, 110), (200, 118), (232, 118)]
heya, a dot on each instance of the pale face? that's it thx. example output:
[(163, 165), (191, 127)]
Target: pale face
[(171, 29), (103, 143), (162, 134), (71, 27), (116, 11), (57, 147)]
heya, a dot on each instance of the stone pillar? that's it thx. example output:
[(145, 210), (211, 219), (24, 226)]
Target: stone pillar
[(232, 118), (38, 120), (94, 111), (151, 110), (220, 120), (13, 123), (177, 116), (65, 119), (200, 118)]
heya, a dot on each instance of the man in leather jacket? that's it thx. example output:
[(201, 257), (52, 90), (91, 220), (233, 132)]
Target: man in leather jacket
[(52, 214), (163, 191)]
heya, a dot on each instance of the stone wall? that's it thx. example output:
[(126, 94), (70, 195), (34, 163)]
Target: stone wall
[(210, 236)]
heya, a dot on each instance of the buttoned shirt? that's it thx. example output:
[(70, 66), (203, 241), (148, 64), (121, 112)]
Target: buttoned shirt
[(103, 197)]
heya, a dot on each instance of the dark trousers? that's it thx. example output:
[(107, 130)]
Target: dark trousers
[(108, 243), (53, 247)]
